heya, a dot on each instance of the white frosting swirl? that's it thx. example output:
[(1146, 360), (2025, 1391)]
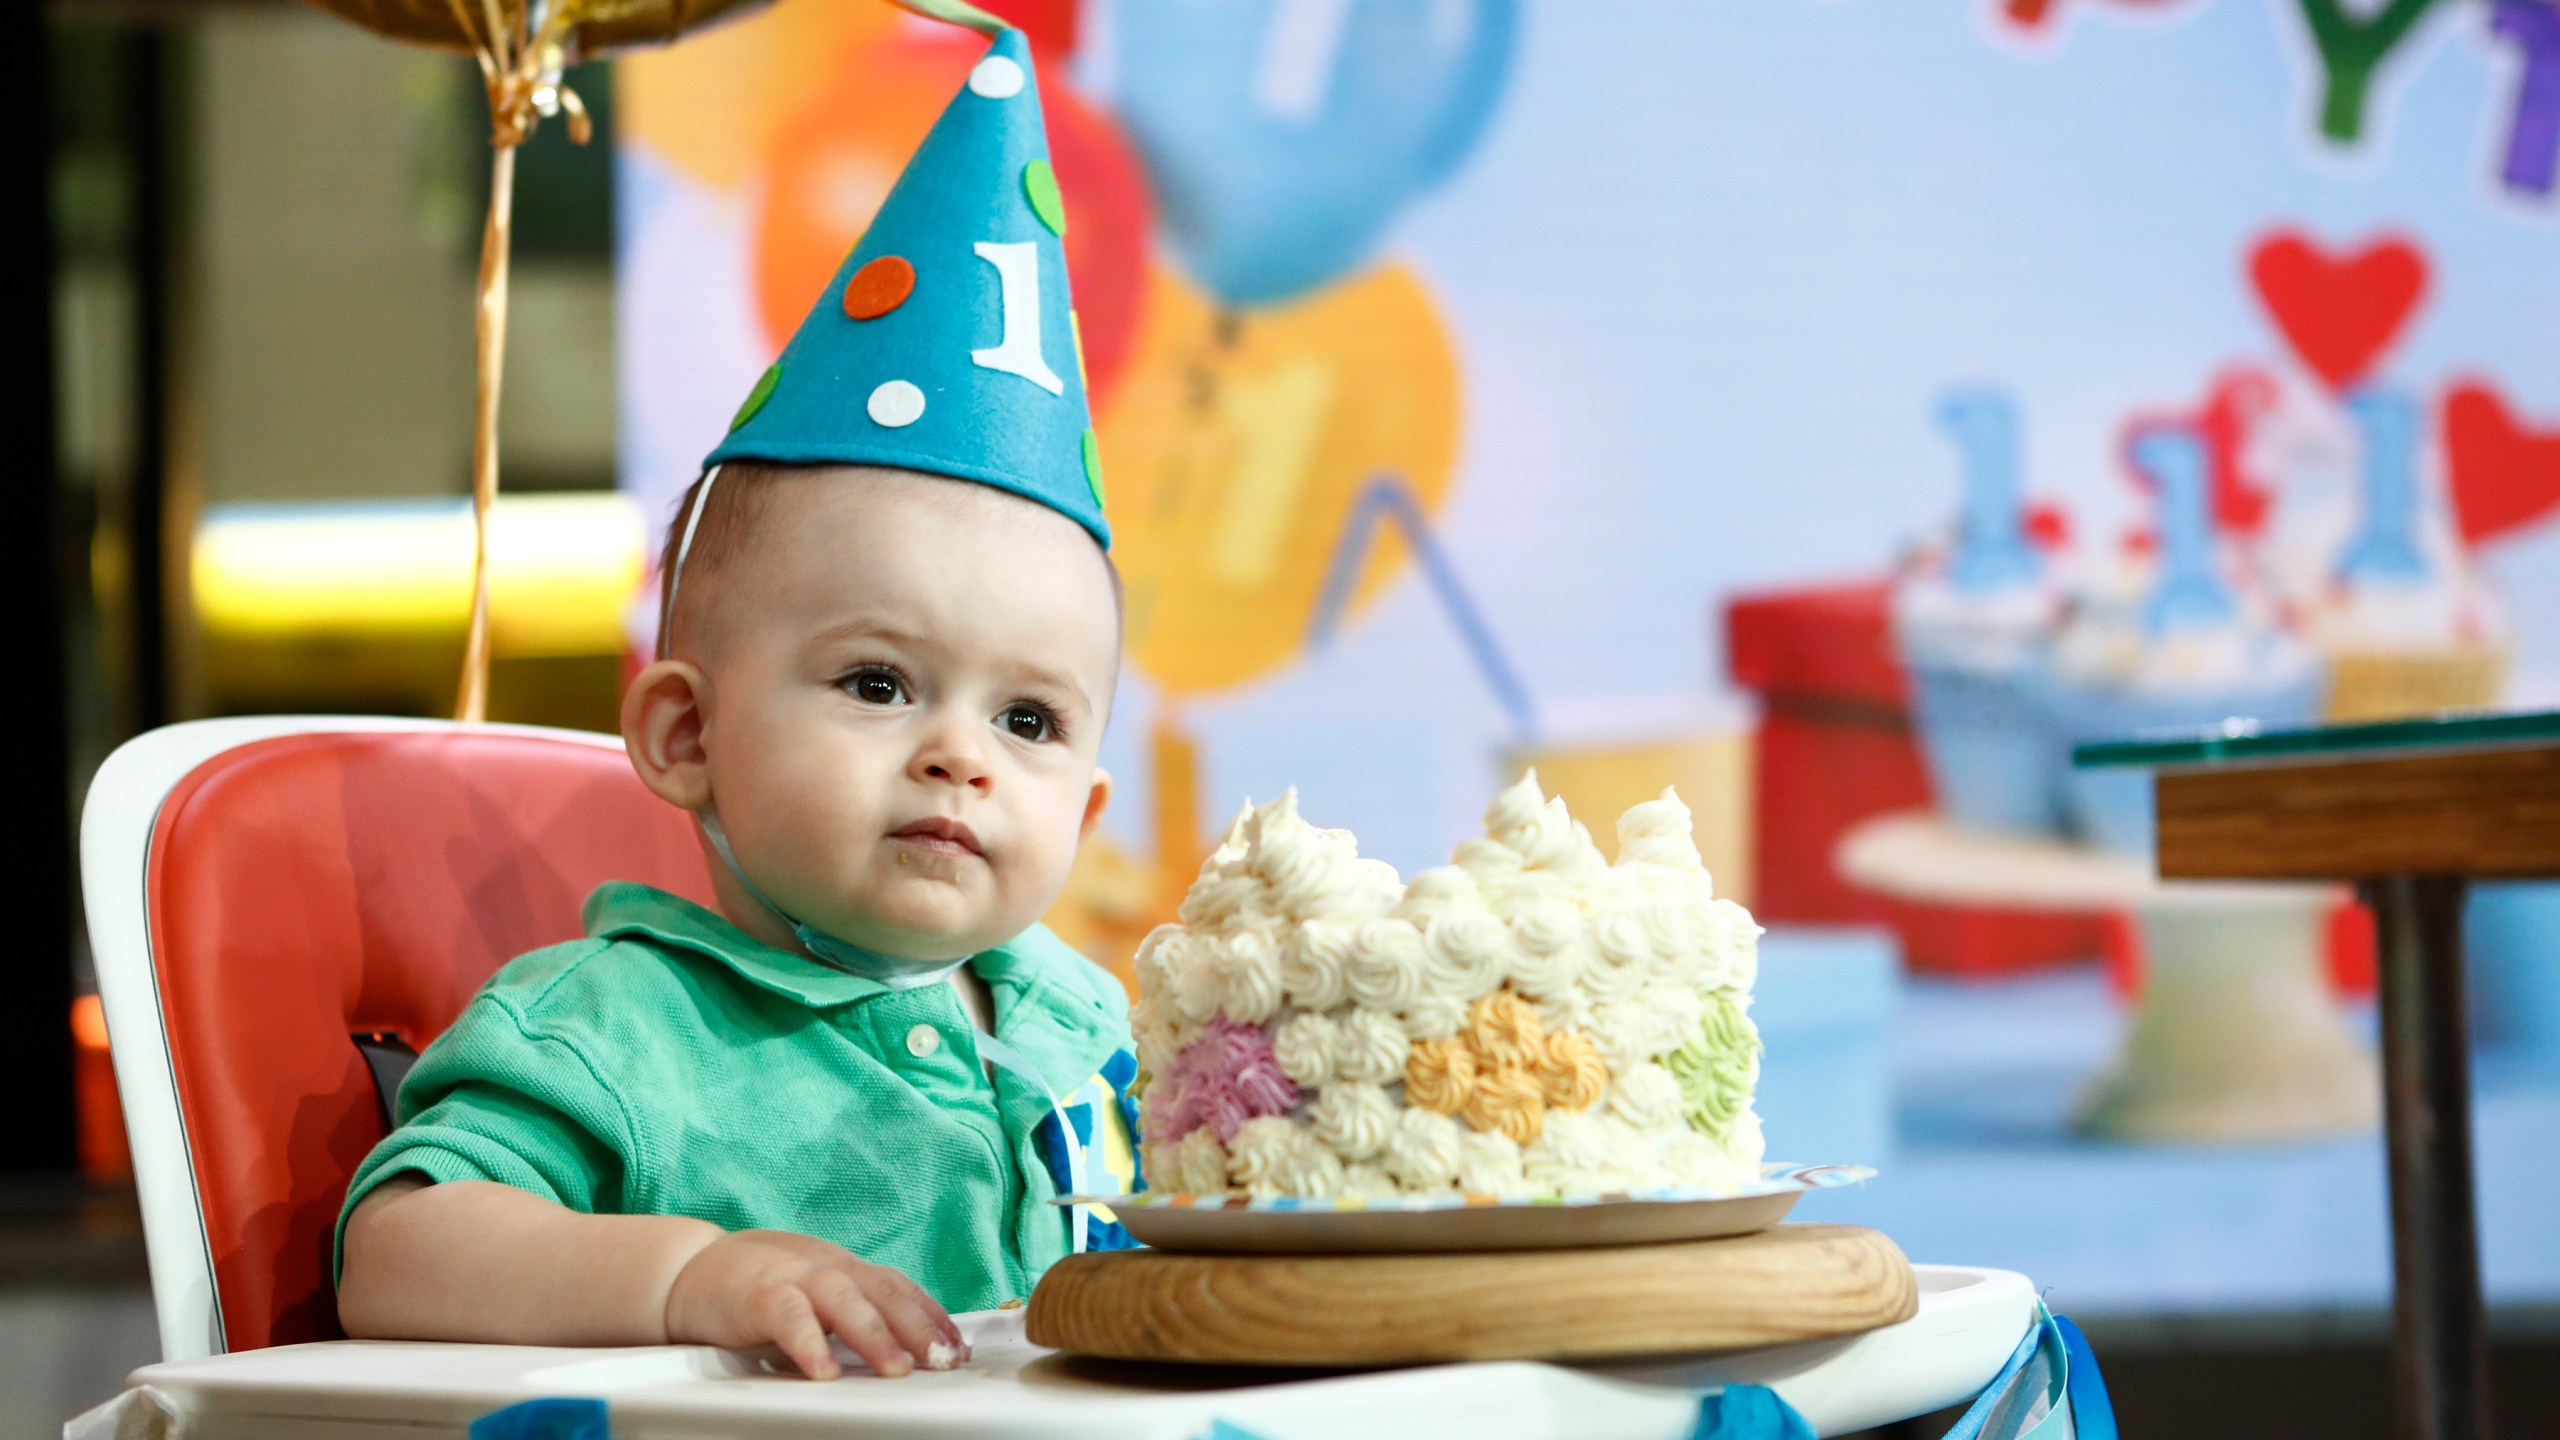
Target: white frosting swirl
[(1274, 1155), (1366, 1182), (1196, 1164), (1644, 1095), (1231, 899), (1200, 990), (1568, 1009), (1377, 884), (1253, 987), (1160, 957), (1549, 952), (1569, 1157), (1371, 1047), (1733, 956), (1744, 1144), (1305, 1046), (1690, 1158), (1424, 1151), (1660, 832), (1490, 863), (1315, 961), (1518, 818), (1614, 972), (1386, 971), (1676, 1011), (1434, 1015), (1624, 1033), (1441, 891), (1489, 1164), (1160, 1034), (1671, 936), (1466, 953), (1353, 1117)]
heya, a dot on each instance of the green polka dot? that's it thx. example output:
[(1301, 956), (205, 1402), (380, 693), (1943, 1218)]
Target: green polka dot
[(756, 397), (1093, 466), (1040, 184)]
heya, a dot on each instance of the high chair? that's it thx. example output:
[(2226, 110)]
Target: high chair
[(282, 909)]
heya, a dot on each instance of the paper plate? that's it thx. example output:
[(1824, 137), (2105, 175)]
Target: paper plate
[(1236, 1222)]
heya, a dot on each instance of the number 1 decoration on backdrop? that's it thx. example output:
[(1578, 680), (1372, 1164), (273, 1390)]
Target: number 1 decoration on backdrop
[(523, 47), (2352, 42)]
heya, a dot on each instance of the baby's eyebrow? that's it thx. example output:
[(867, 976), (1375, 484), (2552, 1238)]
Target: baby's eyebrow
[(868, 630), (1056, 680)]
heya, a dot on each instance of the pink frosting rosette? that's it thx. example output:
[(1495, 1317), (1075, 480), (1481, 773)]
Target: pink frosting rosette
[(1226, 1077)]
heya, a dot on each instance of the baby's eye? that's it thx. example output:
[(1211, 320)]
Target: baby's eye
[(1029, 722), (876, 685)]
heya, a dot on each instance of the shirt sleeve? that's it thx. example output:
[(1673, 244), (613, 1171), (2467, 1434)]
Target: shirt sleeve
[(491, 1099)]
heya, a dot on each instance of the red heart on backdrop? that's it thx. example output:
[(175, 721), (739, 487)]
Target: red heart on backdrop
[(2505, 474), (2340, 313)]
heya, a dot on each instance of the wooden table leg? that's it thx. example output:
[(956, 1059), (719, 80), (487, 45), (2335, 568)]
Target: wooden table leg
[(2438, 1342)]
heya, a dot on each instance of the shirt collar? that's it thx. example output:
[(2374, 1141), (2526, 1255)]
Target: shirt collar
[(619, 910)]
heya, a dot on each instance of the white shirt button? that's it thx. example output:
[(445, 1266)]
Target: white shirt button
[(922, 1041)]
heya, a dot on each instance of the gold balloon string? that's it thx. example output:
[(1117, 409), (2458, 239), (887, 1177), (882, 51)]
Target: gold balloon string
[(522, 74)]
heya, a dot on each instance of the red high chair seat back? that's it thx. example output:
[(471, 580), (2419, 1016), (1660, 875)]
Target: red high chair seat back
[(307, 888)]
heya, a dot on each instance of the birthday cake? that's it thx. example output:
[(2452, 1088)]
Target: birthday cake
[(1531, 1020)]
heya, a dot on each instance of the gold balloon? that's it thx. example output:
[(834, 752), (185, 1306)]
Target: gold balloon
[(588, 27)]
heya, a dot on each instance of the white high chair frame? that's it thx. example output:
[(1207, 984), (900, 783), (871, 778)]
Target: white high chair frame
[(116, 826)]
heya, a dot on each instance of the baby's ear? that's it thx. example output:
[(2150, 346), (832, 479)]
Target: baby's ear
[(662, 733), (1096, 801)]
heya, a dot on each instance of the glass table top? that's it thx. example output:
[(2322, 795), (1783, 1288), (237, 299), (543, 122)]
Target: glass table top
[(2242, 741)]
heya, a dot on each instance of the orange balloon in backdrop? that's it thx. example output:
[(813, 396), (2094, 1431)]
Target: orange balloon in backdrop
[(1235, 453), (832, 164), (711, 108)]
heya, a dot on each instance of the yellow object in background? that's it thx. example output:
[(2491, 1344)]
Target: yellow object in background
[(1711, 768), (1235, 449), (362, 607), (562, 570)]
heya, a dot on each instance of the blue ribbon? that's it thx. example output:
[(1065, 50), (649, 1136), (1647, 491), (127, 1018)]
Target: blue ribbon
[(544, 1420)]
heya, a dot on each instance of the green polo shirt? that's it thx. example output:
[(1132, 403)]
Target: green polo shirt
[(670, 1064)]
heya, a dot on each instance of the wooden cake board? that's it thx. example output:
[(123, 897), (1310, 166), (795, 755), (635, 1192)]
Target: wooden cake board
[(1772, 1287)]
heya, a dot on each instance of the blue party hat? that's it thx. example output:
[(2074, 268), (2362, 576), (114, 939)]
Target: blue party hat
[(946, 341)]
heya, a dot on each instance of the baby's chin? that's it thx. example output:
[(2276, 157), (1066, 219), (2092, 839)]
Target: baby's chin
[(923, 922)]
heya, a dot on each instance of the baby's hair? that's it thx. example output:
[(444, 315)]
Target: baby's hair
[(699, 546), (708, 528)]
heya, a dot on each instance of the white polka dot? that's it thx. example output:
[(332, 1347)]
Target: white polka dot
[(996, 78), (897, 403)]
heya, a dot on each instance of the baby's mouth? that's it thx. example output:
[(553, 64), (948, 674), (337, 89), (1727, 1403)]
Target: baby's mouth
[(937, 836)]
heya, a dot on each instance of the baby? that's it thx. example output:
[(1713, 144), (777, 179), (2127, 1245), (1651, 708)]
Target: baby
[(890, 638)]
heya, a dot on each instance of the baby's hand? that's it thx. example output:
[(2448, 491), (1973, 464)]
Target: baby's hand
[(756, 1286)]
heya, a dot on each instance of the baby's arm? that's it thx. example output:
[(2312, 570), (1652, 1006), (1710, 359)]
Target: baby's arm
[(477, 1260)]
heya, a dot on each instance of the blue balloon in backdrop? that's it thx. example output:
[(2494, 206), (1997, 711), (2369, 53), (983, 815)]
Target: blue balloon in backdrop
[(1284, 136)]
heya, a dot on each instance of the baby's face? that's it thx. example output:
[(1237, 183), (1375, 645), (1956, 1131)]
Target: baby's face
[(904, 682)]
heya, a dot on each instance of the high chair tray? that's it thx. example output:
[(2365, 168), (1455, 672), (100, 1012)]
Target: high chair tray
[(1969, 1321)]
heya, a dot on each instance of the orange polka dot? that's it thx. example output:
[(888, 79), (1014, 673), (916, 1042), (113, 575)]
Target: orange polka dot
[(879, 287)]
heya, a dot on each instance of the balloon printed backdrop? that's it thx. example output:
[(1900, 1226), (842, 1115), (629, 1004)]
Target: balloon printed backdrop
[(1236, 454), (1287, 136)]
